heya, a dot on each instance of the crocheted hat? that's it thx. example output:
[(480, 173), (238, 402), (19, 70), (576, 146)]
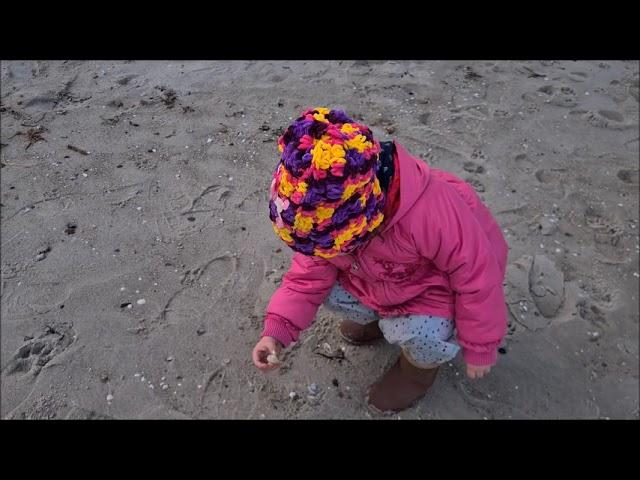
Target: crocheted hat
[(325, 195)]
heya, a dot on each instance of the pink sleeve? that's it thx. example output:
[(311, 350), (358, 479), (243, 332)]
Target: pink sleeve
[(294, 304), (453, 239)]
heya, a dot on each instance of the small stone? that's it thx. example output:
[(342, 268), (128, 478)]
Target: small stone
[(226, 361), (109, 397), (164, 387), (201, 331), (273, 359), (142, 301), (104, 378), (169, 358), (313, 389), (293, 395), (594, 336), (538, 291)]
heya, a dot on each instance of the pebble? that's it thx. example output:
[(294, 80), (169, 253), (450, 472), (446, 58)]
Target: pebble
[(313, 389), (122, 289), (293, 395), (129, 306), (593, 336), (209, 140), (169, 358), (109, 397), (226, 361), (164, 387), (142, 301)]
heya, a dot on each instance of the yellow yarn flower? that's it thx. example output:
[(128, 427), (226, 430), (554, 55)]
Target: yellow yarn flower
[(359, 142), (323, 255), (322, 213), (348, 128), (321, 155), (358, 229), (285, 189), (320, 117), (376, 222), (283, 233), (342, 238), (351, 189), (302, 223), (376, 187), (337, 151), (322, 110)]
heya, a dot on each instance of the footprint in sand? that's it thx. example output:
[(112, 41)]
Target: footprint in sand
[(537, 294), (607, 119), (476, 184), (558, 95), (629, 176), (38, 351)]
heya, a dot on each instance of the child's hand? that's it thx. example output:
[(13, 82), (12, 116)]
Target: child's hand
[(475, 371), (266, 346)]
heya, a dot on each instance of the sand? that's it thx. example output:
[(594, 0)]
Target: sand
[(137, 255)]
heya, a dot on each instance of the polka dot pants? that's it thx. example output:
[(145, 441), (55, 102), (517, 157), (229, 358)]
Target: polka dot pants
[(425, 339)]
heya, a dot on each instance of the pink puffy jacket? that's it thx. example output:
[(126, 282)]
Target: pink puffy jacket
[(441, 254)]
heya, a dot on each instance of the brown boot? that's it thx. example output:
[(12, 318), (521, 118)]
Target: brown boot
[(400, 386), (358, 334)]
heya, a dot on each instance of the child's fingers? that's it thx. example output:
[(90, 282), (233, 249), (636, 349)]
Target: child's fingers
[(259, 356)]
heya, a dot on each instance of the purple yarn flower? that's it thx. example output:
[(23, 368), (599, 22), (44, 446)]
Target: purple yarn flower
[(317, 129), (289, 215), (315, 194), (346, 212), (355, 160), (302, 128), (292, 159), (273, 212), (334, 191), (338, 116), (303, 246), (322, 239)]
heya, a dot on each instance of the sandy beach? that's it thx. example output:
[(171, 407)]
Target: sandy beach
[(137, 256)]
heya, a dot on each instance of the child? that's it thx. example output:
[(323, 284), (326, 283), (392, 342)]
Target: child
[(405, 251)]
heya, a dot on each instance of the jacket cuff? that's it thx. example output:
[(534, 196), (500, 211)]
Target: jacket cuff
[(276, 327), (481, 359)]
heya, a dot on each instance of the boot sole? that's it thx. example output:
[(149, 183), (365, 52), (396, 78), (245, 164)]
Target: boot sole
[(357, 343)]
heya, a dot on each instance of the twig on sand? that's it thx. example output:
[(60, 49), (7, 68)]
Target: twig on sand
[(514, 210), (76, 149)]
